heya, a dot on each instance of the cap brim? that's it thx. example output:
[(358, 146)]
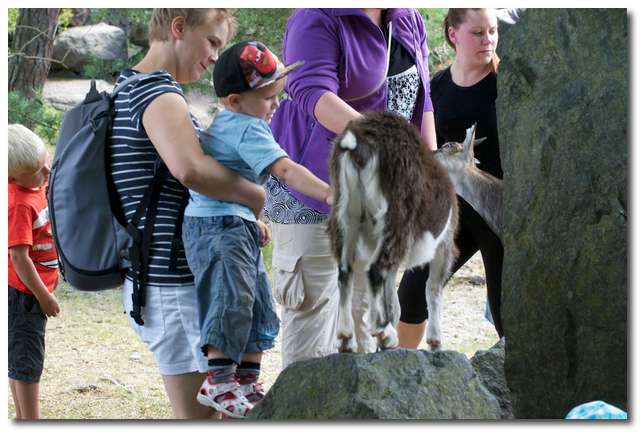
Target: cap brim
[(282, 73)]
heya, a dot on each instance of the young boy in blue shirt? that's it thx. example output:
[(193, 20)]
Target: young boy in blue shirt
[(222, 239)]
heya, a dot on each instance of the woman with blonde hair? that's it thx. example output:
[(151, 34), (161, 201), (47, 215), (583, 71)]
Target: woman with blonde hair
[(153, 125)]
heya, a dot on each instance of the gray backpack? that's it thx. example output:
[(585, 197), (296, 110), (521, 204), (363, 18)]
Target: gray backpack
[(94, 241)]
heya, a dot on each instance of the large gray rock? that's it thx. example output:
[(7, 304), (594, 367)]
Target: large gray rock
[(79, 46), (562, 116), (394, 384), (489, 366)]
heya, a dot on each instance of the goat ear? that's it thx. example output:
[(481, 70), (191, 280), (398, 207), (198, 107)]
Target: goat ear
[(479, 141)]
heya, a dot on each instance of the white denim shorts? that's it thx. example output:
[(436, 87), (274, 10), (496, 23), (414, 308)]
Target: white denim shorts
[(171, 327)]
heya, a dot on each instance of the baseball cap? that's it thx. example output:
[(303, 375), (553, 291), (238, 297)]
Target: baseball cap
[(246, 66)]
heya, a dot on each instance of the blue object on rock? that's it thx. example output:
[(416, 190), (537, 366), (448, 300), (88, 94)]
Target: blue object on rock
[(596, 410)]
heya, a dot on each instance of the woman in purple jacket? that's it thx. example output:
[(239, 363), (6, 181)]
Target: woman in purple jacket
[(356, 60)]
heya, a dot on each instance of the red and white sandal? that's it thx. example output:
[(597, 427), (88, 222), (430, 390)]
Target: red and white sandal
[(253, 391), (225, 397)]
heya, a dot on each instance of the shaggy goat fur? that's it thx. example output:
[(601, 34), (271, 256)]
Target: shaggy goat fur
[(394, 205)]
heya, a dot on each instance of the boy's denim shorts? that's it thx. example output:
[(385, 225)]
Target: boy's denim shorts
[(27, 325), (237, 311)]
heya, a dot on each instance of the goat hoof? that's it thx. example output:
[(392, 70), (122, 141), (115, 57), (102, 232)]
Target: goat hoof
[(347, 345), (434, 344), (387, 337)]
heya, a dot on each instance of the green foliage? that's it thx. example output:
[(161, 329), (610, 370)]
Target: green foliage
[(132, 15), (64, 19), (36, 114), (440, 53), (103, 69), (265, 25), (12, 19)]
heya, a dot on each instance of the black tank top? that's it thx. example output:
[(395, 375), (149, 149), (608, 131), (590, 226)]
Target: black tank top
[(457, 108)]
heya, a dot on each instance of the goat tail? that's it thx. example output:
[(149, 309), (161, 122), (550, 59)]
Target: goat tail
[(348, 141)]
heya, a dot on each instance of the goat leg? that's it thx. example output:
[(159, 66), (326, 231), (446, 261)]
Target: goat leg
[(387, 335), (386, 312), (345, 319), (438, 271), (345, 274)]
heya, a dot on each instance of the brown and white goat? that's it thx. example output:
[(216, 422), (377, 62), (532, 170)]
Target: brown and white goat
[(481, 190), (394, 205)]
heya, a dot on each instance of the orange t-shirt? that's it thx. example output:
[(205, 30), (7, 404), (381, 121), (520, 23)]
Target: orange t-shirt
[(29, 225)]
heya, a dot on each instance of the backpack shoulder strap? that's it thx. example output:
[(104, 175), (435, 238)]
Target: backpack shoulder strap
[(139, 250)]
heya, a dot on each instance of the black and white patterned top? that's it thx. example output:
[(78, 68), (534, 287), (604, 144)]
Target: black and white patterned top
[(283, 208), (403, 92)]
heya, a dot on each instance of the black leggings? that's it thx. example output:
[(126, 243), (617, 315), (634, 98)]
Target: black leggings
[(473, 235)]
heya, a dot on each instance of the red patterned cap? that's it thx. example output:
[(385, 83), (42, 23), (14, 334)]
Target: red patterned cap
[(246, 66)]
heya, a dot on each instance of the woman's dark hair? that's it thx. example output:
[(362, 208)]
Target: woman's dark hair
[(454, 18)]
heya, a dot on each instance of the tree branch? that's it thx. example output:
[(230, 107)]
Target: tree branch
[(30, 57)]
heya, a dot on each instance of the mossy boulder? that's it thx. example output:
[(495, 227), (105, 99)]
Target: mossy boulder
[(489, 366), (392, 385), (562, 115)]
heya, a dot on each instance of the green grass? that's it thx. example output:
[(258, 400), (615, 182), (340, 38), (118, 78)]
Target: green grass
[(95, 365)]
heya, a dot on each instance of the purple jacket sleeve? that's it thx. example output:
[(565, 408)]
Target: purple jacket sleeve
[(313, 37), (422, 40)]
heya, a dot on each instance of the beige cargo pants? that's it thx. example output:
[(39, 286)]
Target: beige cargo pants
[(305, 286)]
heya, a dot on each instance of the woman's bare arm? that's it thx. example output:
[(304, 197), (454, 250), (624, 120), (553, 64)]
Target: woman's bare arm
[(428, 131), (333, 113)]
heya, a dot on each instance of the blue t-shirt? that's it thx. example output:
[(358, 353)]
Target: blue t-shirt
[(244, 144)]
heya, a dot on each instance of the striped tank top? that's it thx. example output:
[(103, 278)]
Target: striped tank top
[(133, 158)]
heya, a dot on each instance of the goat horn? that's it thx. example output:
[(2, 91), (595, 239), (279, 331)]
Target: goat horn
[(471, 133)]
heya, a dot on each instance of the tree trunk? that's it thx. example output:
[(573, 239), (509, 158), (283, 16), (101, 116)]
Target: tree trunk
[(32, 46)]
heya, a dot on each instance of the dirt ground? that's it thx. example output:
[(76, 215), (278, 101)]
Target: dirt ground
[(97, 368)]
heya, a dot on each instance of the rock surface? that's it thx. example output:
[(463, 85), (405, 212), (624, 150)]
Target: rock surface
[(489, 366), (63, 94), (394, 384), (562, 116), (78, 46)]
